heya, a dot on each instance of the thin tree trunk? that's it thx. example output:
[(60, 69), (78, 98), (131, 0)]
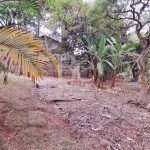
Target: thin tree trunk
[(99, 82), (60, 64), (94, 70), (143, 80), (142, 73), (23, 16), (102, 81), (142, 59), (78, 74), (38, 27), (95, 75), (46, 43), (114, 78)]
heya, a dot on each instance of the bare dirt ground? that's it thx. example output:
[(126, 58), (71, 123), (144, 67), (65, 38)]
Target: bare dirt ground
[(62, 115)]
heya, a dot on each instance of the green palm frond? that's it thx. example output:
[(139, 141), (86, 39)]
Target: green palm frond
[(20, 48)]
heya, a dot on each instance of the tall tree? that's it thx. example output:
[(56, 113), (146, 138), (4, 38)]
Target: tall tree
[(135, 14)]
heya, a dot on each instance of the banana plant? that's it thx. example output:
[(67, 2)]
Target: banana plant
[(101, 55), (18, 47), (118, 51)]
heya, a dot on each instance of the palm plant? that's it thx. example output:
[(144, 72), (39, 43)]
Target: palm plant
[(20, 48), (90, 41), (101, 54), (118, 51)]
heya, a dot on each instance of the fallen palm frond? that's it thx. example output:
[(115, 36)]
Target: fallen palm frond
[(20, 48)]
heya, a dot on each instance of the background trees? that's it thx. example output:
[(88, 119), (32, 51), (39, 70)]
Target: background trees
[(135, 14), (19, 14)]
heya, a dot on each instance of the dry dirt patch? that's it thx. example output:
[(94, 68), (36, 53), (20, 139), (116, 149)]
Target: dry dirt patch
[(36, 118), (62, 116), (27, 123), (100, 118)]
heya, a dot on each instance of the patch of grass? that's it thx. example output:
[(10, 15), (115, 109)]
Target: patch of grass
[(14, 80)]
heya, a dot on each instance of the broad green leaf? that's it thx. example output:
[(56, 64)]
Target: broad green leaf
[(118, 45), (102, 46), (100, 68), (126, 62), (110, 64), (113, 40), (111, 43), (133, 54), (107, 48), (129, 47)]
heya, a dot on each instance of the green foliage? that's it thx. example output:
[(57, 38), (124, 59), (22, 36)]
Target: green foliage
[(102, 43), (64, 11), (118, 51), (100, 21), (30, 7), (20, 11), (101, 55)]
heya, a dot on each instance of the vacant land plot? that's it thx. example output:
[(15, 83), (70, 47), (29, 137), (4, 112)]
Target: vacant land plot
[(62, 115)]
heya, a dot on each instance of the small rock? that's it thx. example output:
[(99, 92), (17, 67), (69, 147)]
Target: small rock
[(37, 85), (52, 86), (104, 144)]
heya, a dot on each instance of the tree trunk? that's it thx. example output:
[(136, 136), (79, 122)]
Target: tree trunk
[(114, 78), (94, 69), (99, 81), (38, 27), (102, 81), (135, 72), (142, 73), (23, 16), (46, 43), (95, 75), (146, 48), (143, 80)]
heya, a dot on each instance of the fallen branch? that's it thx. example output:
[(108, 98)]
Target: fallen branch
[(60, 100)]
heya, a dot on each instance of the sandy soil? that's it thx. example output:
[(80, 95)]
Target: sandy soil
[(63, 115)]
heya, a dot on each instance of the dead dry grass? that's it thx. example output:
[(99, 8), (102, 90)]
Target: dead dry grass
[(28, 124), (62, 116)]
